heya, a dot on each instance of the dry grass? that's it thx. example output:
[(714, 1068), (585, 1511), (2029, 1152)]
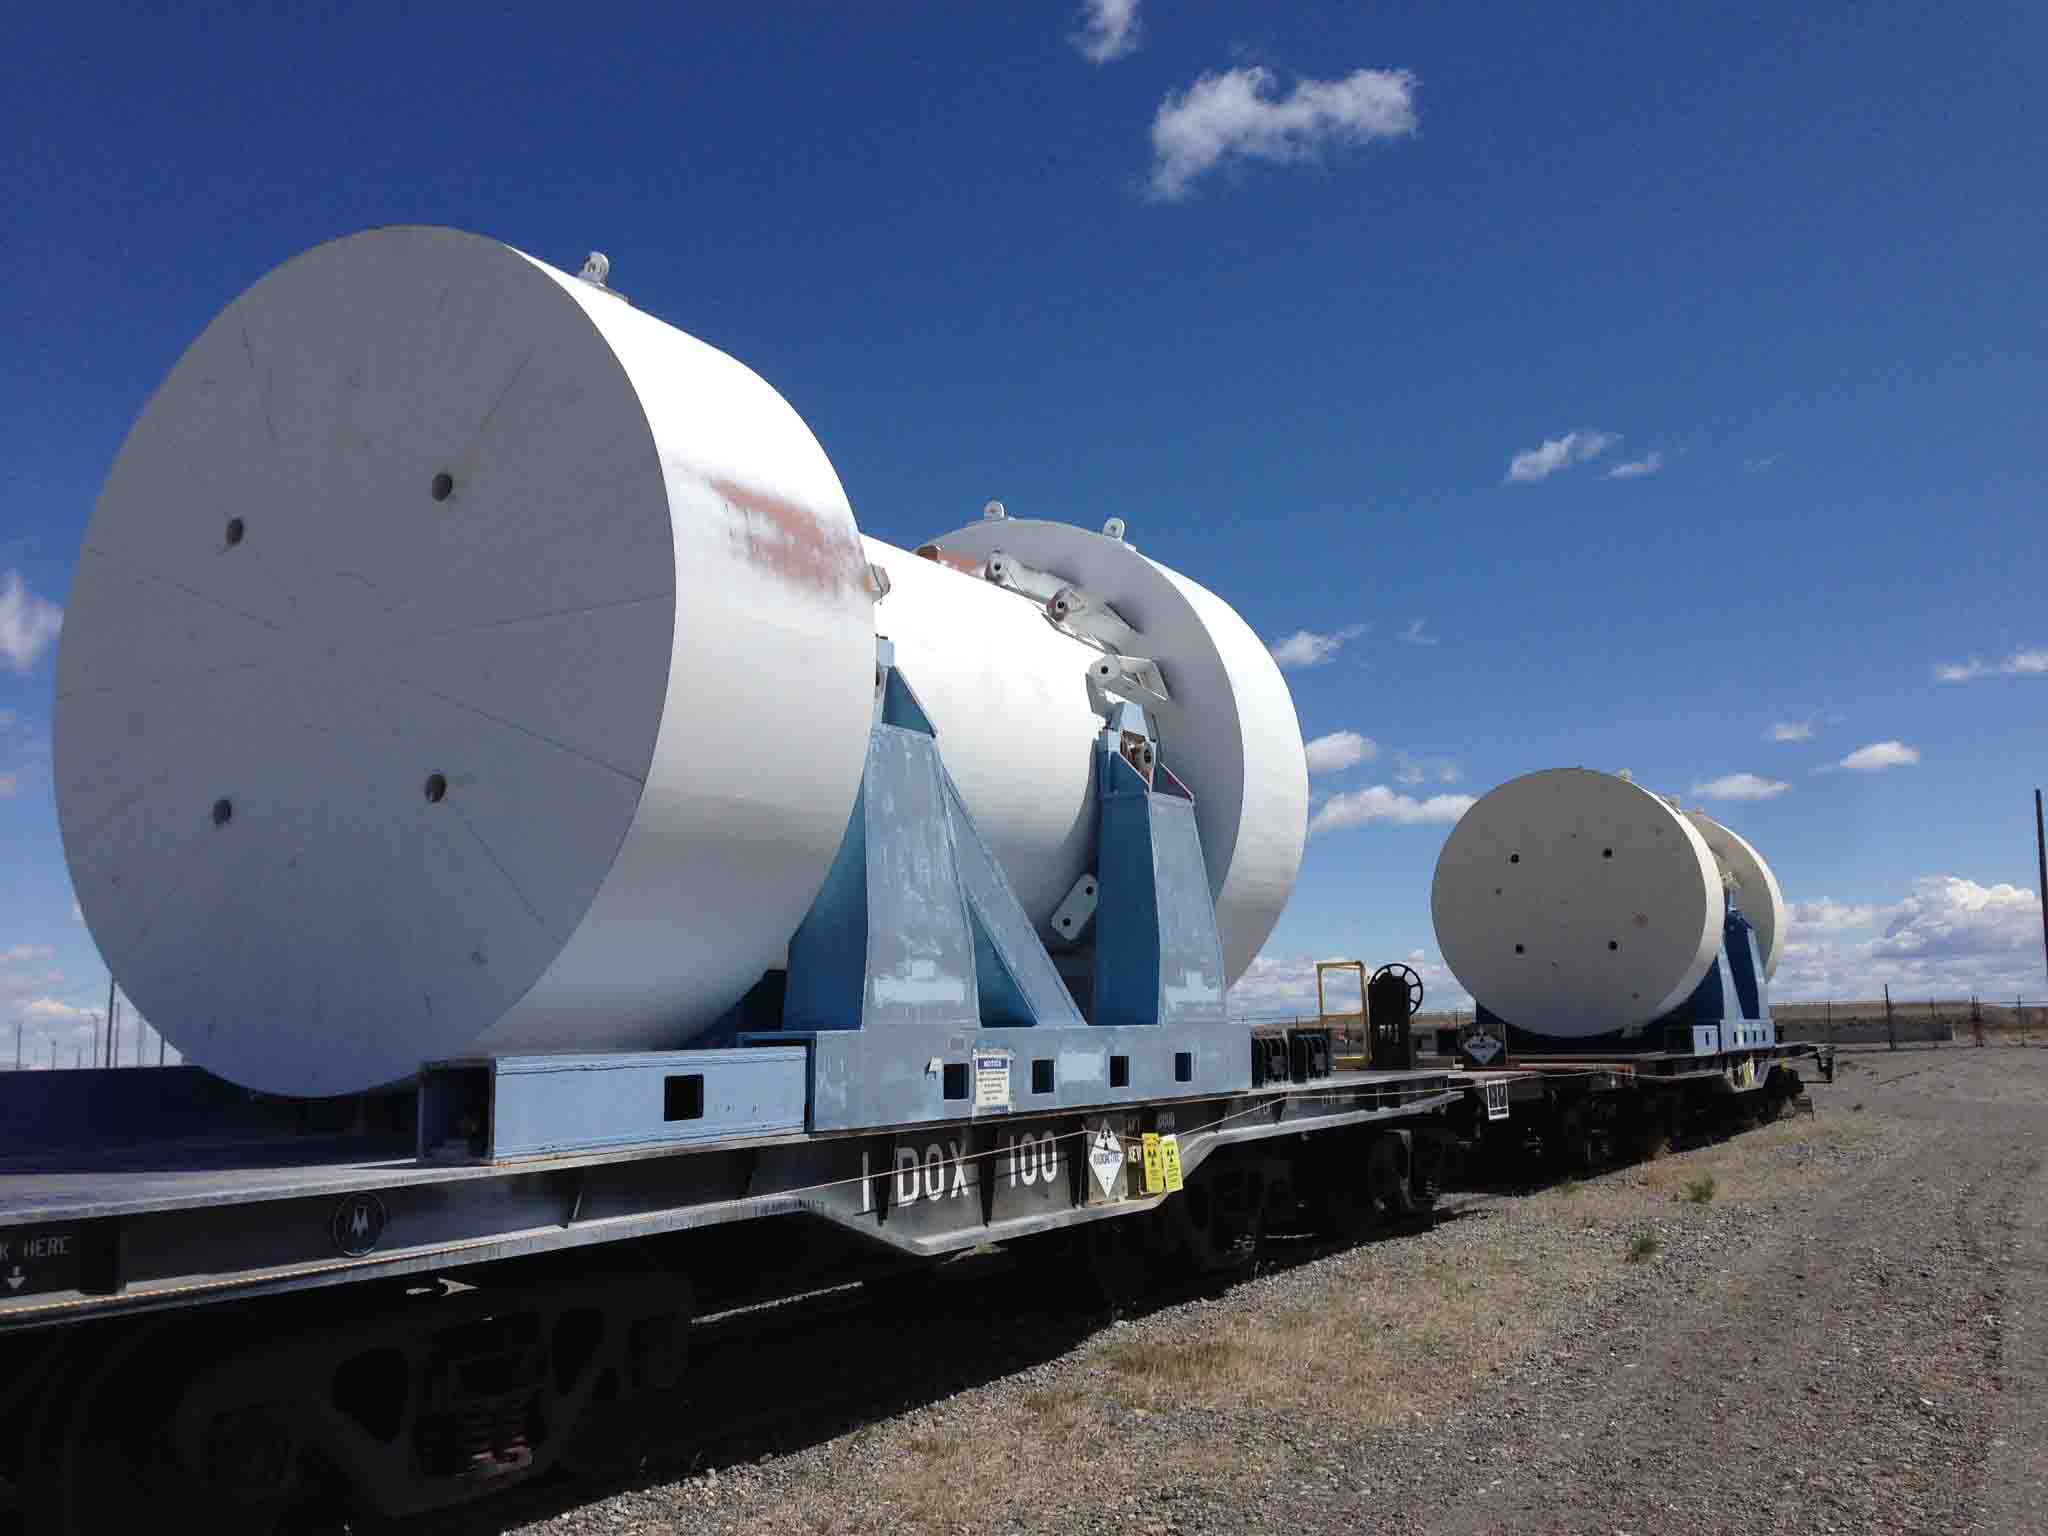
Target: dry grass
[(1749, 1166), (951, 1476), (1358, 1357), (1058, 1413), (1361, 1357), (1391, 1334), (1374, 1349)]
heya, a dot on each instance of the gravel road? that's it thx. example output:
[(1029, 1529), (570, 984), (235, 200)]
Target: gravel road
[(1847, 1332)]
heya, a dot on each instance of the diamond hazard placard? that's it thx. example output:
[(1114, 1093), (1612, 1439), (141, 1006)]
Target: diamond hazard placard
[(1105, 1160)]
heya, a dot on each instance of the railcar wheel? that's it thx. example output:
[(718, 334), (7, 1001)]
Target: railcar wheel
[(1121, 1258), (1218, 1219), (1344, 1212), (101, 1458), (1387, 1178), (1570, 1143), (1430, 1161)]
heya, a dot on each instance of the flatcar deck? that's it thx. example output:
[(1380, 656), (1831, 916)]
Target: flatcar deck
[(169, 1222)]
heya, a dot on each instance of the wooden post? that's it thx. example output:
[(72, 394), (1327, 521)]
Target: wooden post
[(1891, 1028), (1934, 1019)]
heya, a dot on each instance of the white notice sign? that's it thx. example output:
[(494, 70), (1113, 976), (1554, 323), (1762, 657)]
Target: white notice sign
[(992, 1080), (1105, 1160)]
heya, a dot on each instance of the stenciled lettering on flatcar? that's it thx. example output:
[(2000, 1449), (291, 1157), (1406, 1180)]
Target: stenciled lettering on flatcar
[(1033, 1158)]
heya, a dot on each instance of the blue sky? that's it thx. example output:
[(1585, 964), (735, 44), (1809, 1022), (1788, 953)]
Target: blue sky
[(1291, 290)]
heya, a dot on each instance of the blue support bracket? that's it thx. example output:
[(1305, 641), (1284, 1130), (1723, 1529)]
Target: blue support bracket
[(923, 990), (502, 1108), (917, 924), (1158, 956)]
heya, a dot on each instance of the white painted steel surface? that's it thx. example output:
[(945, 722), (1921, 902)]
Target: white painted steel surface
[(631, 631), (1756, 888), (1574, 903), (462, 661), (1230, 732)]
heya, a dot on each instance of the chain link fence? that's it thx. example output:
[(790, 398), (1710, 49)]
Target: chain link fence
[(1911, 1021), (1855, 1021)]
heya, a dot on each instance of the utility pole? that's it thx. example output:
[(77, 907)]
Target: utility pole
[(17, 1045), (2041, 855), (1891, 1029)]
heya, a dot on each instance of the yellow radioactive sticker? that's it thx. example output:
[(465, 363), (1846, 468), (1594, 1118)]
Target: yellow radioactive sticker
[(1169, 1158), (1155, 1170)]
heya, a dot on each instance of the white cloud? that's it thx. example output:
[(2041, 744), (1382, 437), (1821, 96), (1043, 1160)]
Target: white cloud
[(1382, 803), (1240, 114), (37, 998), (51, 1013), (1275, 985), (1740, 786), (2018, 664), (1284, 986), (1413, 634), (1420, 770), (25, 972), (1340, 750), (1109, 30), (77, 914), (1826, 916), (1880, 755), (1635, 469), (1306, 648), (1557, 453), (1949, 916), (1757, 466), (28, 624), (1790, 730), (38, 1004), (10, 785), (1949, 939)]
